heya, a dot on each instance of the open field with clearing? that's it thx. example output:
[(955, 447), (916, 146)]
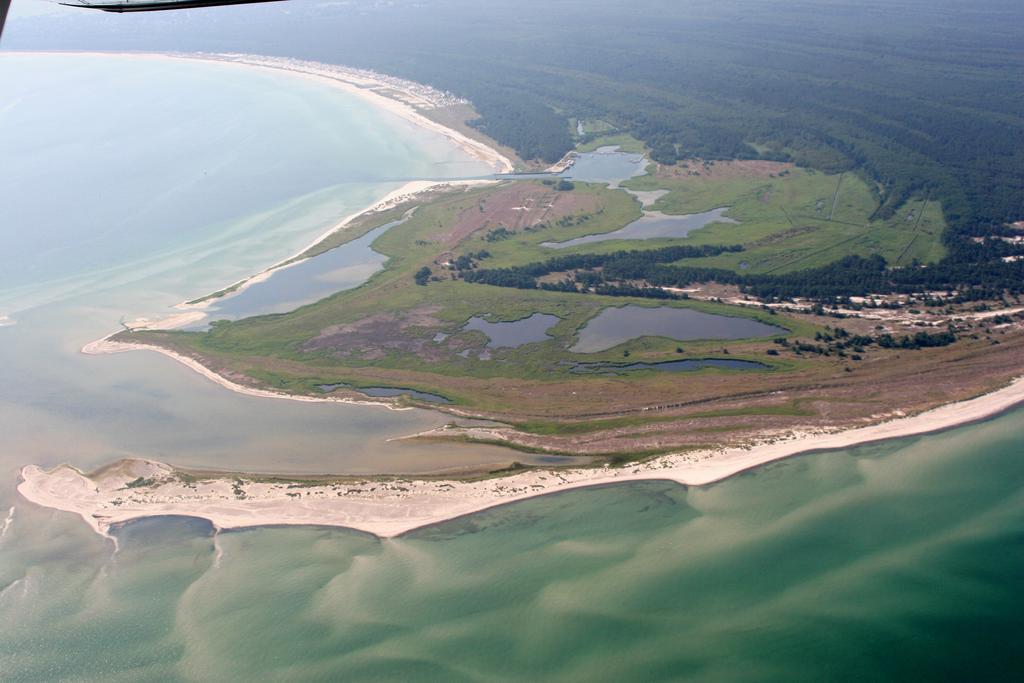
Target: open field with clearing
[(794, 218)]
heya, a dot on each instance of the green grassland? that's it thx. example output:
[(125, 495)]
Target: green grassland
[(271, 349), (784, 221), (593, 126), (391, 332), (411, 245), (624, 141), (788, 223)]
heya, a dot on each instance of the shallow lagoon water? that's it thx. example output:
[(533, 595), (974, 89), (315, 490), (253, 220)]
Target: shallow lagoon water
[(613, 326), (391, 392), (99, 207), (606, 165), (306, 282), (652, 225), (515, 333)]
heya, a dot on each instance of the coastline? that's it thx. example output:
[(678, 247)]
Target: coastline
[(398, 97), (107, 346), (194, 309), (404, 99), (388, 507)]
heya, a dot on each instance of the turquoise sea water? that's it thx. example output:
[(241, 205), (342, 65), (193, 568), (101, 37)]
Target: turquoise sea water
[(896, 561), (900, 561)]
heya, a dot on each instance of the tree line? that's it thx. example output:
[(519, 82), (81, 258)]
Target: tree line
[(617, 273)]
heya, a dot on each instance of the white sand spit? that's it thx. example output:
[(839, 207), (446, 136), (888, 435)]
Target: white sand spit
[(133, 489)]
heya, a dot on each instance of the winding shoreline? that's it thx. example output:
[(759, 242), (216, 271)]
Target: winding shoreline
[(361, 83), (107, 346), (388, 507)]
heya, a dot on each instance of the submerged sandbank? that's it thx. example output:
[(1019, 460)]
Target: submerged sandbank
[(386, 507)]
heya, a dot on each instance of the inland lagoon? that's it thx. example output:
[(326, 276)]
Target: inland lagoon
[(386, 392), (616, 325), (652, 225), (514, 333), (305, 282), (606, 165)]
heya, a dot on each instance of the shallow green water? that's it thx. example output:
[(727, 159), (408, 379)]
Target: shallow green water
[(900, 561)]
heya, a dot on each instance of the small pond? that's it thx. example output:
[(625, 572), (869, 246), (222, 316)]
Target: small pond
[(651, 225), (603, 165), (515, 333), (387, 392), (613, 326), (687, 365), (306, 282), (606, 165)]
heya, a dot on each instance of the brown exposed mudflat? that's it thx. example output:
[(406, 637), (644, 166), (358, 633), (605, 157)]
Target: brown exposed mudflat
[(516, 207), (411, 332)]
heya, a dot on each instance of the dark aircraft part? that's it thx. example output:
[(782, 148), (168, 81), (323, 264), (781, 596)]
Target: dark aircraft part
[(159, 5), (4, 5)]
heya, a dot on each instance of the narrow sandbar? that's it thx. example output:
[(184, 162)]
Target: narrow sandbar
[(387, 507)]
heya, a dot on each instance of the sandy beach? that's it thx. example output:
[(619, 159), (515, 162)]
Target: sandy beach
[(402, 98), (387, 507)]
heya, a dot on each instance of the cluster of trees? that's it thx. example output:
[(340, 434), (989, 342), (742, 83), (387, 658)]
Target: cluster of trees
[(422, 276), (847, 277), (843, 344), (525, 276), (525, 124), (470, 260), (498, 234), (920, 340)]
